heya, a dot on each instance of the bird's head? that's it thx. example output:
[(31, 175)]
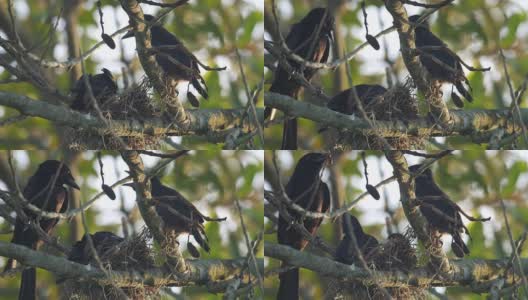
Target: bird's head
[(314, 160), (414, 19), (310, 166), (52, 168), (154, 181), (107, 73), (426, 174), (130, 33), (315, 16), (355, 226)]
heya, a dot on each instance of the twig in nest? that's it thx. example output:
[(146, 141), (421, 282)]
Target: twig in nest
[(438, 5), (428, 155), (173, 155), (172, 5)]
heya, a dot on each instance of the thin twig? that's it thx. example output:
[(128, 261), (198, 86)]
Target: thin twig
[(514, 248), (249, 98)]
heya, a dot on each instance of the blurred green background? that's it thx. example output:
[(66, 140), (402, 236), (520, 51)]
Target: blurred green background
[(474, 29), (211, 180), (476, 180), (211, 34)]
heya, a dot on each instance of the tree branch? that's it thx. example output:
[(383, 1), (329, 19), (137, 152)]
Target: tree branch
[(147, 209), (148, 62), (202, 271), (412, 211), (466, 272), (201, 121), (420, 77), (474, 123)]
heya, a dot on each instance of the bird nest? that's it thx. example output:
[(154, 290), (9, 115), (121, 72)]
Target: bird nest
[(398, 104), (133, 103), (132, 254), (396, 253)]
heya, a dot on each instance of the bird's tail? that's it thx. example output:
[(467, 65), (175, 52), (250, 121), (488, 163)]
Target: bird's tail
[(28, 285), (201, 90), (458, 246), (201, 240), (289, 135), (289, 285), (462, 90)]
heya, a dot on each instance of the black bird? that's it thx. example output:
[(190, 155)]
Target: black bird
[(103, 86), (345, 103), (425, 38), (441, 212), (45, 190), (190, 72), (102, 241), (168, 199), (307, 190), (300, 39), (345, 252)]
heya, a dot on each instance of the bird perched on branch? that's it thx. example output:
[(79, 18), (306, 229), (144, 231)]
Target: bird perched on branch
[(346, 252), (178, 63), (45, 190), (442, 214), (305, 189), (103, 86), (442, 64), (179, 215), (305, 40)]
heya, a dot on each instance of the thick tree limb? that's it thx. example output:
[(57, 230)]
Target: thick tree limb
[(147, 209), (475, 122), (200, 271), (201, 121), (412, 211), (148, 62), (416, 70), (466, 272)]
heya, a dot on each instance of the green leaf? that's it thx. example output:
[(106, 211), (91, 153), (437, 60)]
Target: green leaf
[(513, 175), (249, 26), (512, 23)]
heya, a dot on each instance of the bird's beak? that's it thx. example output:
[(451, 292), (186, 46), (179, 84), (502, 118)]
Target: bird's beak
[(71, 182), (130, 184), (128, 35)]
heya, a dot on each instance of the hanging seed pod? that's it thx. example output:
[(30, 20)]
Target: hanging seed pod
[(192, 249), (193, 100), (456, 100), (373, 42), (109, 191), (108, 40), (373, 191)]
